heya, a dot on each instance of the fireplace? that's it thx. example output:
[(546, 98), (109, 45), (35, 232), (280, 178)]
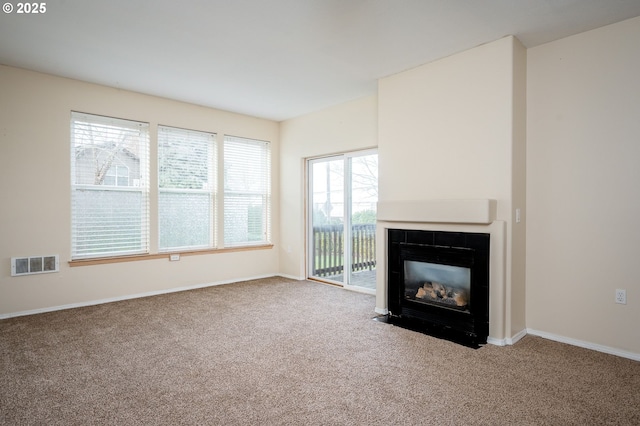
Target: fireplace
[(438, 283)]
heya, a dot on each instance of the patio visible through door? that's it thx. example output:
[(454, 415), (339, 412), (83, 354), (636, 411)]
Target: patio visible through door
[(342, 194)]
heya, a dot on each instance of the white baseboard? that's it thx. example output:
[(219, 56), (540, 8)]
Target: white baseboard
[(514, 339), (586, 345), (381, 311), (496, 342), (130, 296), (291, 277), (574, 342), (369, 291)]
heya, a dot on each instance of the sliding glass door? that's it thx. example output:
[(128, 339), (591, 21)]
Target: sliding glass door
[(342, 194)]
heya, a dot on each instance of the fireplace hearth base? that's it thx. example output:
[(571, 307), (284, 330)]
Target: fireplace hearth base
[(440, 331)]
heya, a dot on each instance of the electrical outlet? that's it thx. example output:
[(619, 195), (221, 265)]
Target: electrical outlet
[(621, 296), (174, 257)]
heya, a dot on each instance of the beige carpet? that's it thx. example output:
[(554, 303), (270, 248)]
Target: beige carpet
[(283, 352)]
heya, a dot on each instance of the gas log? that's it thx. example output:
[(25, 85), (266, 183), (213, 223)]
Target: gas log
[(439, 293)]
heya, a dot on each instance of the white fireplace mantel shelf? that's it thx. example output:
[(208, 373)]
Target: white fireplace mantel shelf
[(472, 211)]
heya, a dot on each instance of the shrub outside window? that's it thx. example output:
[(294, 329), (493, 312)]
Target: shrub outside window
[(186, 199), (247, 191)]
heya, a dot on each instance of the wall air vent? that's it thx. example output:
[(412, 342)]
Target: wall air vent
[(34, 265)]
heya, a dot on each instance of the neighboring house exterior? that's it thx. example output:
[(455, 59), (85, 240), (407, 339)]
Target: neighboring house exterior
[(106, 164)]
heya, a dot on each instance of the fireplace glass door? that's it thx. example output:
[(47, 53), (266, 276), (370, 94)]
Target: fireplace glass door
[(342, 194), (441, 285)]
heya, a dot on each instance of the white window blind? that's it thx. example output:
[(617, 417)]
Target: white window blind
[(186, 201), (247, 191), (109, 186)]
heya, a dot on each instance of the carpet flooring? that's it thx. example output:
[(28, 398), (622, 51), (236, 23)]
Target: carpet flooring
[(282, 352)]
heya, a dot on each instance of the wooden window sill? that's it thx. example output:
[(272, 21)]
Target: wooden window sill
[(163, 255)]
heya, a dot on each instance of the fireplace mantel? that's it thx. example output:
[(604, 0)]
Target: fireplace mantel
[(480, 211), (464, 215)]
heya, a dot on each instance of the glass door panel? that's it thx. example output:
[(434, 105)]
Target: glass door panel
[(327, 219), (364, 199)]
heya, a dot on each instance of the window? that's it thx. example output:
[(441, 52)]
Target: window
[(247, 191), (109, 186), (117, 175), (186, 200), (112, 200)]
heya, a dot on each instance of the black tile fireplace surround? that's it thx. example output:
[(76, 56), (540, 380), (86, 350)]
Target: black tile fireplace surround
[(438, 283)]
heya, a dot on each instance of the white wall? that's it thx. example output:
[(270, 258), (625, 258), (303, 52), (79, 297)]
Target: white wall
[(583, 177), (347, 127), (35, 192), (445, 128)]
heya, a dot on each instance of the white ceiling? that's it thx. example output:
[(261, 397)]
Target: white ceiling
[(275, 59)]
